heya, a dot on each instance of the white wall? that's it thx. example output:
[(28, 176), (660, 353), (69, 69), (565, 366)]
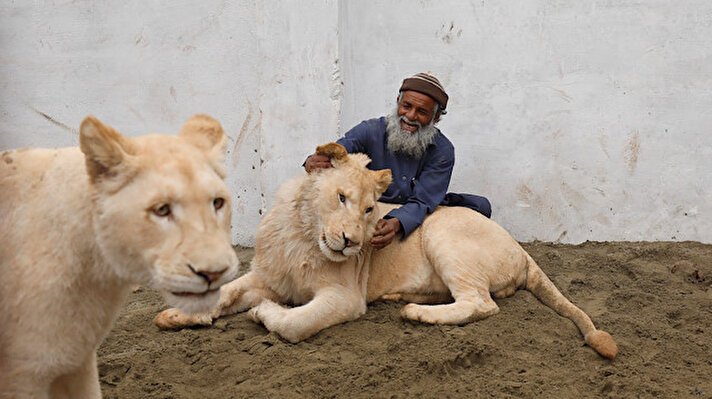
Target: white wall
[(579, 120), (265, 71)]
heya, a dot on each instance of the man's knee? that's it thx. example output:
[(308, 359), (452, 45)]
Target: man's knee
[(474, 202), (483, 206)]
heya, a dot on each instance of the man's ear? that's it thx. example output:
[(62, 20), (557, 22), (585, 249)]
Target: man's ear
[(103, 147), (205, 133), (383, 180)]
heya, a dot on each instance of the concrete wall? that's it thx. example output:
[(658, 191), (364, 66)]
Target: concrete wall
[(579, 120), (263, 69)]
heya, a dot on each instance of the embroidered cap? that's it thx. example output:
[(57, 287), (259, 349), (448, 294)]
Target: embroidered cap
[(427, 84)]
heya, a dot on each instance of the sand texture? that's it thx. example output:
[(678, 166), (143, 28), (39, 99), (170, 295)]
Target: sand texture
[(654, 298)]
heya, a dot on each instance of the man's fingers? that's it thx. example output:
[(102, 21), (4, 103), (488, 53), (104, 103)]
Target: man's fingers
[(381, 245), (378, 245), (379, 239), (313, 164), (320, 158), (380, 230), (382, 240), (321, 165), (316, 161), (386, 230)]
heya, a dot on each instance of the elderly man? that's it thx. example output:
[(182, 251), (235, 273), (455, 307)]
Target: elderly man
[(420, 157)]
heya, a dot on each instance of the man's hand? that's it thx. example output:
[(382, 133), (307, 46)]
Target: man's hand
[(386, 230), (317, 161)]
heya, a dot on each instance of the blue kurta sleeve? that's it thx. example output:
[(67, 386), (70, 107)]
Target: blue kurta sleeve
[(359, 138), (428, 189)]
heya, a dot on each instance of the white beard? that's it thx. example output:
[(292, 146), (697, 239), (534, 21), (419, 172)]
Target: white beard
[(403, 142)]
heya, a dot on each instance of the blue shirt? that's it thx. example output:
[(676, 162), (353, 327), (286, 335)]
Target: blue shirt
[(419, 184)]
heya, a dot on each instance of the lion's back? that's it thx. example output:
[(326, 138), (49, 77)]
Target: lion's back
[(39, 176), (468, 235), (44, 198), (449, 221)]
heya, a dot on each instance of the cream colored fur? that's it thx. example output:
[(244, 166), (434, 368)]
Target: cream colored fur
[(80, 227), (302, 258)]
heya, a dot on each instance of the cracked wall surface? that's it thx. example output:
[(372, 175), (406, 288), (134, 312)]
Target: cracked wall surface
[(580, 121)]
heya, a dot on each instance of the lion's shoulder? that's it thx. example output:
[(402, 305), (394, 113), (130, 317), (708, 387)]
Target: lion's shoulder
[(39, 190)]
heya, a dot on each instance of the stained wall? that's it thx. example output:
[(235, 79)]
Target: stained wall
[(579, 120)]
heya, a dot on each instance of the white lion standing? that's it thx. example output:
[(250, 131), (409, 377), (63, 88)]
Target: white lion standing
[(80, 227)]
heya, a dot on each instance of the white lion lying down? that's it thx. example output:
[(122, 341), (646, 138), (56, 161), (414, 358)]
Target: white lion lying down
[(310, 252), (79, 228)]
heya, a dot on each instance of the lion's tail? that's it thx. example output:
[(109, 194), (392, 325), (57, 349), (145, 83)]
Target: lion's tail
[(540, 285)]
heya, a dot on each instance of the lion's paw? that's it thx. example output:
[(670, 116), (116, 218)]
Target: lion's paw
[(413, 311), (171, 319), (267, 313), (254, 314), (391, 297)]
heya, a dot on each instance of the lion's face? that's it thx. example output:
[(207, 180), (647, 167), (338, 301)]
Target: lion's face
[(347, 209), (163, 210)]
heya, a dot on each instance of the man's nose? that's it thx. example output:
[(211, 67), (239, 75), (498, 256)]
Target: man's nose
[(410, 115)]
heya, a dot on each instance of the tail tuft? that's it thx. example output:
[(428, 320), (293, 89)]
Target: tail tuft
[(603, 343)]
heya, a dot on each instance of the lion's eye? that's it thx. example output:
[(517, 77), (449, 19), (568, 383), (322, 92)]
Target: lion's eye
[(369, 210), (342, 198), (162, 211), (218, 203)]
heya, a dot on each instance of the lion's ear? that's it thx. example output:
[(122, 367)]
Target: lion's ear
[(359, 159), (383, 180), (205, 132), (103, 147), (334, 151)]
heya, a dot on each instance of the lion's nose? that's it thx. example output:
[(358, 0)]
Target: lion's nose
[(348, 242), (209, 277)]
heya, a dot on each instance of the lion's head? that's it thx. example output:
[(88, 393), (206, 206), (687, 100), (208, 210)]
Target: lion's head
[(162, 210), (345, 199)]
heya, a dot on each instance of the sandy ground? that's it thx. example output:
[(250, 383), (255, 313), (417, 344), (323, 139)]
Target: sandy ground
[(654, 298)]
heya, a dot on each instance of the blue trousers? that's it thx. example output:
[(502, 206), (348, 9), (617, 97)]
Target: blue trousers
[(474, 202)]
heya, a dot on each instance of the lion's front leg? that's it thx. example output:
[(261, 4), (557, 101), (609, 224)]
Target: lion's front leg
[(235, 297), (23, 385), (329, 307), (80, 383)]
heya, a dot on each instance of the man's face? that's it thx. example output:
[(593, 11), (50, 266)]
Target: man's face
[(416, 107), (411, 126)]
